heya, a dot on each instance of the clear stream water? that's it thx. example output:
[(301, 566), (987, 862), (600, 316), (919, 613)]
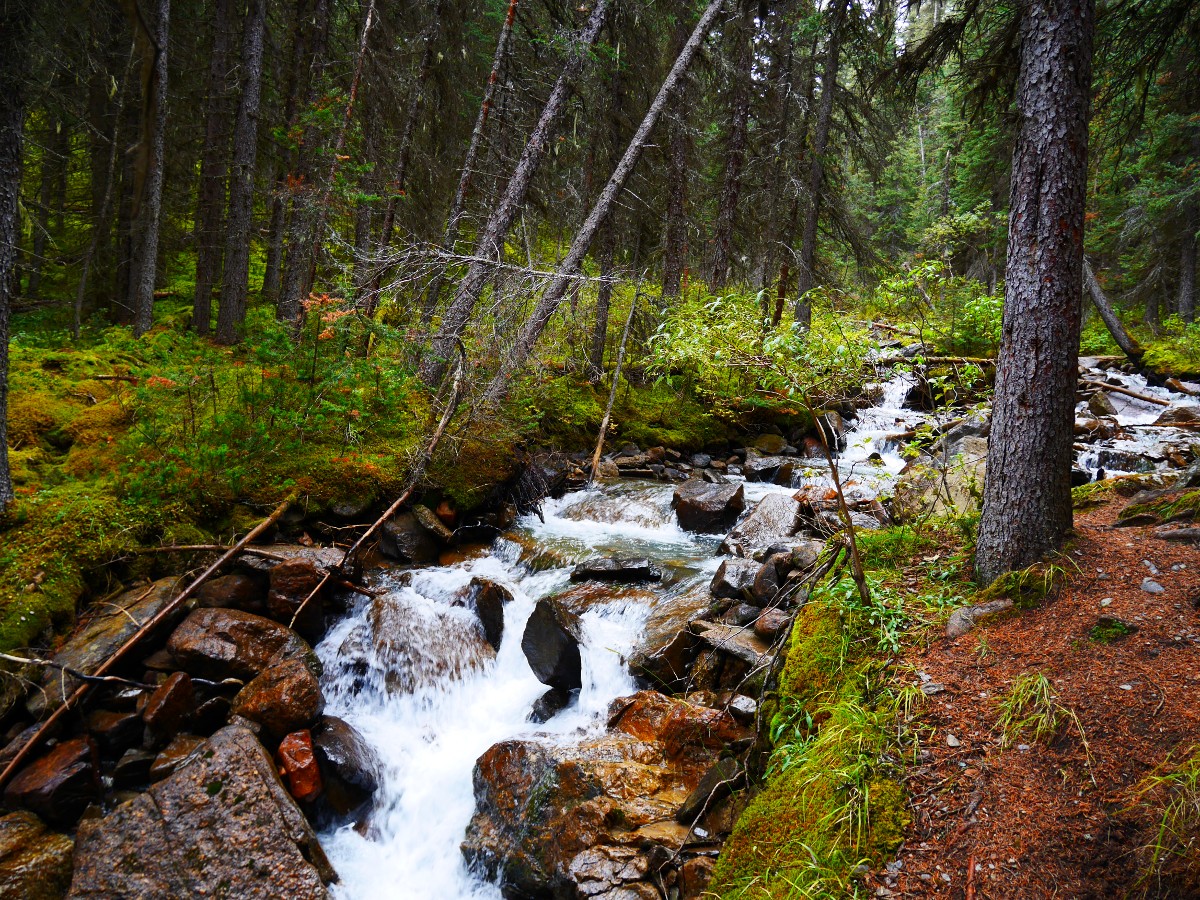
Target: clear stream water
[(406, 671)]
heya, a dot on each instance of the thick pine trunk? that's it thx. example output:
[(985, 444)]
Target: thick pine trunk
[(210, 201), (735, 151), (489, 248), (1027, 497), (1187, 264), (675, 241), (235, 283), (806, 265), (569, 268), (459, 205), (14, 22), (149, 203)]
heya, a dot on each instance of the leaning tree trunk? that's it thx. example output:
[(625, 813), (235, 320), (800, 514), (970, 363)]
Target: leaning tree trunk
[(490, 246), (568, 269), (211, 195), (14, 22), (149, 199), (1027, 497), (1127, 342), (805, 276), (235, 282), (735, 150), (1187, 264)]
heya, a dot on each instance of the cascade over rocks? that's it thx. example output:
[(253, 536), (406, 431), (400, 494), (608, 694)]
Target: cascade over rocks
[(488, 599), (774, 519), (186, 837), (551, 645), (708, 508)]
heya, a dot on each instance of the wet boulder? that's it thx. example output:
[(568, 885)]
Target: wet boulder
[(550, 704), (410, 645), (770, 444), (293, 583), (181, 751), (286, 697), (734, 578), (686, 732), (99, 637), (551, 645), (228, 643), (777, 469), (1180, 417), (432, 524), (115, 730), (770, 624), (221, 826), (708, 508), (488, 599), (403, 538), (1100, 404), (171, 704), (244, 592), (59, 785), (770, 579), (298, 766), (618, 569), (349, 767), (774, 519), (35, 862), (664, 654), (718, 783)]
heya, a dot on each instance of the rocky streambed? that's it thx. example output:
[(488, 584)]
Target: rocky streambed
[(565, 709)]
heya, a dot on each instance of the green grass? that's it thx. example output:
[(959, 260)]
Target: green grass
[(1171, 795)]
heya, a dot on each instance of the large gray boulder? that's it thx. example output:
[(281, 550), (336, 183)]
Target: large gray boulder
[(709, 508), (222, 826), (948, 483), (774, 520), (551, 645)]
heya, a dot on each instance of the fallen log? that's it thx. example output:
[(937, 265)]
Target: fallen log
[(134, 639), (1129, 346), (1117, 389)]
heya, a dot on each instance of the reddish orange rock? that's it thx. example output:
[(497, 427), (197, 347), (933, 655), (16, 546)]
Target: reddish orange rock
[(447, 513), (171, 705), (298, 764)]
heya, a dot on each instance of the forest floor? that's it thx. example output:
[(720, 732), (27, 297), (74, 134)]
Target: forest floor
[(1062, 817)]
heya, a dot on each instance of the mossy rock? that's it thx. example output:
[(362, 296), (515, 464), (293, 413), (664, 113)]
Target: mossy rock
[(1160, 507), (1027, 588), (816, 656)]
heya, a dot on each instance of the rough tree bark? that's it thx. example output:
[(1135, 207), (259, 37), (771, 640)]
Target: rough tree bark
[(1187, 264), (735, 148), (608, 249), (14, 22), (235, 281), (148, 201), (805, 275), (1027, 497), (459, 205), (210, 200), (568, 269), (1128, 344), (490, 245)]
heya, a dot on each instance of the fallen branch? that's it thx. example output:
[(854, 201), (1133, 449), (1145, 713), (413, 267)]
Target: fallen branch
[(134, 639), (1116, 389), (204, 548)]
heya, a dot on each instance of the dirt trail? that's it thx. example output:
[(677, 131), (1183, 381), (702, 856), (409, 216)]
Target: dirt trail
[(1039, 821)]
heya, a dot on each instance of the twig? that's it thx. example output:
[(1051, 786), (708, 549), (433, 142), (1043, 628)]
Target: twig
[(75, 673), (132, 641), (197, 548), (612, 394), (1117, 389)]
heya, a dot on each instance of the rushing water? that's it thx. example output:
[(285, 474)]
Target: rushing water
[(408, 669)]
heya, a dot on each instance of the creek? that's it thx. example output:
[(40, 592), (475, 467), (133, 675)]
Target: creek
[(406, 670)]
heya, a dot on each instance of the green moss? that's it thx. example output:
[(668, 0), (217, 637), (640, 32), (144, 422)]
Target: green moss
[(816, 655), (1110, 630), (1168, 507), (1028, 588)]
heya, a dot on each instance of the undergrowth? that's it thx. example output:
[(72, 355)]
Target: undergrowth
[(1171, 856)]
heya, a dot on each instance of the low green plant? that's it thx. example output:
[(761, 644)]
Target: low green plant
[(1031, 709), (1171, 795)]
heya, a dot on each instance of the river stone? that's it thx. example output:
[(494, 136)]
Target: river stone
[(402, 538), (770, 623), (551, 645), (286, 697), (734, 578), (229, 643), (349, 766), (775, 518), (429, 520), (622, 569), (99, 637), (770, 444), (292, 583), (708, 508), (298, 766), (549, 705), (170, 705), (35, 862), (222, 826), (769, 469), (115, 730), (770, 578), (181, 751), (60, 785), (664, 653), (244, 592), (488, 599), (717, 784), (944, 484), (1180, 417), (1101, 404)]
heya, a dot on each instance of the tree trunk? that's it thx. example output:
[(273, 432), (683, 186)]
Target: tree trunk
[(805, 271), (14, 22), (568, 269), (675, 241), (735, 150), (459, 205), (148, 201), (41, 226), (1027, 497), (1187, 264), (211, 195), (490, 246), (1128, 344), (608, 250), (1153, 315), (235, 283)]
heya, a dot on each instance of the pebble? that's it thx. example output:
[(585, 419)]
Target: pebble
[(1107, 601), (1150, 586), (1151, 566), (1024, 748), (1126, 687), (952, 741)]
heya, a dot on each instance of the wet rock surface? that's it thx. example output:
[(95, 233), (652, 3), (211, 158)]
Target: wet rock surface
[(59, 785), (35, 861), (228, 643), (551, 645), (710, 508), (350, 768), (186, 837), (774, 519), (619, 569), (286, 697)]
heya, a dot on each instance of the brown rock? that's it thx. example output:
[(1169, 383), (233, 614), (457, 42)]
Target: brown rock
[(681, 727), (402, 537), (223, 826), (228, 643), (35, 862), (59, 785), (182, 750), (446, 513), (285, 698), (298, 765), (734, 578), (711, 508), (432, 524), (292, 583), (769, 625), (774, 520), (694, 877), (115, 730), (132, 769), (232, 592), (170, 706)]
